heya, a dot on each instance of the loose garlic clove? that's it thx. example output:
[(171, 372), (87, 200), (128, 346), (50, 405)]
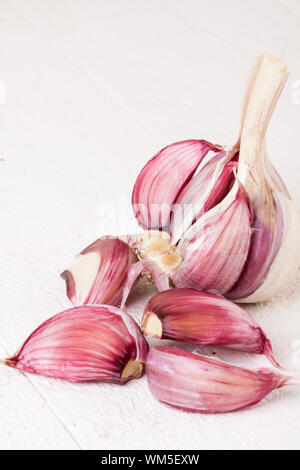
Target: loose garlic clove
[(197, 317), (99, 273), (86, 343), (197, 383)]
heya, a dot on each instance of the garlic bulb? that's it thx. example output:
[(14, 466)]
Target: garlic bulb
[(85, 343), (228, 223)]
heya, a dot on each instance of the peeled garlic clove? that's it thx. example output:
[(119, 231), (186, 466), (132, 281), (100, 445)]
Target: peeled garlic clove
[(85, 343), (216, 247), (198, 317), (197, 383), (163, 178), (99, 273)]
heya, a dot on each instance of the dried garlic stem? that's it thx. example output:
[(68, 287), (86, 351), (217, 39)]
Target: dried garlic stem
[(266, 82)]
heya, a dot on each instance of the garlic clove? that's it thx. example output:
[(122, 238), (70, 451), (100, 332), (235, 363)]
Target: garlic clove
[(86, 343), (99, 273), (198, 317), (286, 262), (266, 241), (215, 249), (197, 383), (162, 178), (206, 189), (222, 186)]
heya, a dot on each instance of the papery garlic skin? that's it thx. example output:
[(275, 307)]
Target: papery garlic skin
[(86, 343), (216, 247), (198, 317), (286, 262), (207, 188), (270, 265), (99, 273), (200, 384), (162, 179), (194, 195)]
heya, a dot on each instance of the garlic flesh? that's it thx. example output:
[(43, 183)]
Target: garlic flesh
[(156, 249)]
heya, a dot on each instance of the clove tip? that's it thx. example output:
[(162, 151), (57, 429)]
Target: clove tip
[(268, 352)]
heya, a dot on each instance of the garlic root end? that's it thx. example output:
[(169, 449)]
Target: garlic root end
[(152, 325), (132, 370)]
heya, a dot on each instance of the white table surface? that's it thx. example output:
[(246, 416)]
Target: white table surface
[(89, 91)]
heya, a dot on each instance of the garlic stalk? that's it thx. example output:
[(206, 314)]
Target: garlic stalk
[(232, 226), (197, 383), (197, 317), (275, 249), (86, 343)]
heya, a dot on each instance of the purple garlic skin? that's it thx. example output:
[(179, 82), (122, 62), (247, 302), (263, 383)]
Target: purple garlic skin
[(99, 274), (86, 343), (198, 317), (213, 258), (175, 164), (199, 384)]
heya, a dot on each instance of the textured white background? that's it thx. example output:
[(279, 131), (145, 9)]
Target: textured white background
[(93, 89)]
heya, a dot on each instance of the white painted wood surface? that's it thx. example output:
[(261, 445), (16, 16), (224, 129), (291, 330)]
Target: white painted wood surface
[(90, 90)]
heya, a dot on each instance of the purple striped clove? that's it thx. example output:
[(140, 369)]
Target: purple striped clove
[(86, 343), (200, 384), (212, 257), (152, 198), (201, 318), (99, 273)]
